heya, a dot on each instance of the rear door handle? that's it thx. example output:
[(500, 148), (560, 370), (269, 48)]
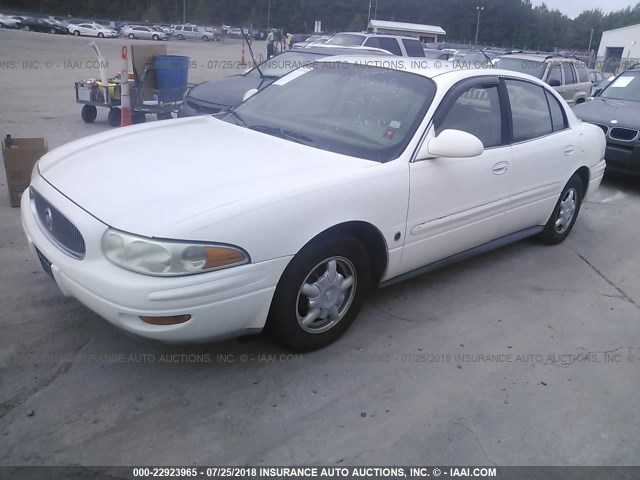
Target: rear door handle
[(500, 168), (568, 150)]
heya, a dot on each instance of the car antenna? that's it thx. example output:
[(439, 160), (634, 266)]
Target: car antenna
[(251, 53)]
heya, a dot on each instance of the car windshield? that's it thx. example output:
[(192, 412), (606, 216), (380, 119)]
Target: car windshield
[(346, 39), (625, 87), (532, 67), (361, 111), (282, 64)]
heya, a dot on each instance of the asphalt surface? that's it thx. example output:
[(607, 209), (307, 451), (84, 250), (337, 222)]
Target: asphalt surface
[(529, 355)]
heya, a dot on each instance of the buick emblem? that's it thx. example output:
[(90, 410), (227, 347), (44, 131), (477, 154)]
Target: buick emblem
[(48, 219)]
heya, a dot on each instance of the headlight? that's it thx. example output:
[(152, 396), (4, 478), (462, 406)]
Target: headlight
[(168, 257)]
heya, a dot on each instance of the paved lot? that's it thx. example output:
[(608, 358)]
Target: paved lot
[(529, 355)]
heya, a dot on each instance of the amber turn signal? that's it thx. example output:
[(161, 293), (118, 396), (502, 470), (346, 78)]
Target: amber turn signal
[(221, 256), (173, 320)]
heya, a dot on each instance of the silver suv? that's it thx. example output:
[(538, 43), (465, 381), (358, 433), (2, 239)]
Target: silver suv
[(396, 45), (190, 32), (568, 76)]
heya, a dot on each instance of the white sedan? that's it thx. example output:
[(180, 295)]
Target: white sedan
[(144, 33), (92, 30), (286, 211)]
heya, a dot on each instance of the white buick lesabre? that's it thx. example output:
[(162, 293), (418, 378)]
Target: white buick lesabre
[(339, 177)]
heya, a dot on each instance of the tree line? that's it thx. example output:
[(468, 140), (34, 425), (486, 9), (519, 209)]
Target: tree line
[(503, 23)]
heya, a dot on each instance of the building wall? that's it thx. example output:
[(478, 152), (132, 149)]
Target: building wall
[(626, 38)]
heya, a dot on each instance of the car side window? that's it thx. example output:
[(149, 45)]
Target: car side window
[(413, 48), (385, 43), (569, 74), (583, 73), (476, 111), (529, 110), (558, 119), (554, 74), (187, 29)]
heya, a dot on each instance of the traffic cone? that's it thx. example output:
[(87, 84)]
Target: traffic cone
[(125, 99)]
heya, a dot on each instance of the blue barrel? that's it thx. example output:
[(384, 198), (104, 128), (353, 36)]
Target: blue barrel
[(172, 75)]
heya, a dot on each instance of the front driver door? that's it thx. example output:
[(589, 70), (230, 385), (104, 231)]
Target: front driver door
[(459, 203)]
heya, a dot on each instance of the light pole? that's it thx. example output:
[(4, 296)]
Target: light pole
[(590, 56), (479, 9), (184, 11), (268, 14), (375, 12), (369, 16)]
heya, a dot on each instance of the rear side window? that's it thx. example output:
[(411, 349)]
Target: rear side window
[(569, 74), (385, 43), (583, 73), (529, 110), (413, 48), (558, 120)]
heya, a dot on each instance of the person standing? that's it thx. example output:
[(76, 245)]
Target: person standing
[(270, 44)]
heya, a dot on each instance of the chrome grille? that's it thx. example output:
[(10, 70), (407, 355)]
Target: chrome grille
[(57, 227), (623, 134)]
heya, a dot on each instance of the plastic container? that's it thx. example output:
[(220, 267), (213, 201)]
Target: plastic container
[(172, 76)]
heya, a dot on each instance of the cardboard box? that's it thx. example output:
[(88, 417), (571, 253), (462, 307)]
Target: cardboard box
[(18, 163)]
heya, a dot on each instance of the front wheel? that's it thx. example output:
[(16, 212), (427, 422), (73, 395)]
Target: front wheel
[(565, 214), (27, 28), (100, 35), (76, 33), (205, 38), (320, 293), (180, 37), (132, 36), (155, 37), (53, 30)]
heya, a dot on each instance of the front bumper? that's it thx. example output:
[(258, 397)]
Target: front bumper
[(222, 303), (624, 158)]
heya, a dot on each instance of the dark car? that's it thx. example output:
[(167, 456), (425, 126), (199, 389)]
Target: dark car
[(616, 110), (219, 95), (42, 25)]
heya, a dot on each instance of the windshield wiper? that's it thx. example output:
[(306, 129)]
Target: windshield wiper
[(286, 134), (237, 117)]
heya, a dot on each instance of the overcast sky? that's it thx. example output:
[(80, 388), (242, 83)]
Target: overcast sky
[(573, 8)]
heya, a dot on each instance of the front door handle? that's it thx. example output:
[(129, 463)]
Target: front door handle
[(500, 168)]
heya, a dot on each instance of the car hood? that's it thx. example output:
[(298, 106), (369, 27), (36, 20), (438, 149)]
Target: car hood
[(228, 91), (149, 179), (604, 110)]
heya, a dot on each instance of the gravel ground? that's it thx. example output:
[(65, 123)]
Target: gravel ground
[(529, 355)]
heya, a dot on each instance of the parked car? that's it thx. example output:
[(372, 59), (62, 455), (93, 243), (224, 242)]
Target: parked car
[(569, 77), (42, 25), (144, 33), (192, 32), (397, 45), (219, 95), (92, 30), (436, 54), (596, 77), (319, 39), (616, 110), (8, 22), (291, 207)]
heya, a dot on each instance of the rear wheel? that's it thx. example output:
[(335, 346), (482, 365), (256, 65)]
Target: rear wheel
[(155, 37), (100, 35), (205, 38), (164, 116), (138, 117), (565, 214), (76, 33), (27, 28), (132, 36), (114, 117), (180, 37), (89, 113), (53, 30), (320, 293)]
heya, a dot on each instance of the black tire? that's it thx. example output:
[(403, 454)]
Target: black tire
[(205, 38), (76, 33), (180, 37), (155, 37), (53, 30), (289, 302), (132, 36), (27, 28), (552, 234), (89, 113), (114, 117), (138, 117), (100, 35), (164, 116)]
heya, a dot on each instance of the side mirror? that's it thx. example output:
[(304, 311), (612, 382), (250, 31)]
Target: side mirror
[(451, 144), (249, 94), (554, 82)]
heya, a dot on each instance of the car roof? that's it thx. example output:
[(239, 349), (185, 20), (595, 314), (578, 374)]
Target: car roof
[(369, 34), (338, 50), (540, 57)]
